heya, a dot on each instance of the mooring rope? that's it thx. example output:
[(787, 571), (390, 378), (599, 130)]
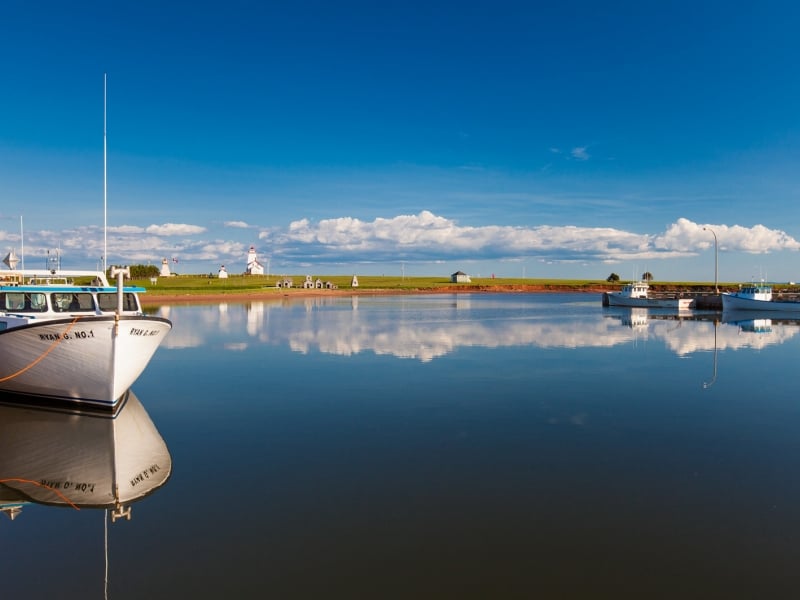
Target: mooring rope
[(105, 547), (58, 340)]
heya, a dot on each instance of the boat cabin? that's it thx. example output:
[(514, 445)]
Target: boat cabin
[(755, 291), (78, 300), (50, 295), (638, 289)]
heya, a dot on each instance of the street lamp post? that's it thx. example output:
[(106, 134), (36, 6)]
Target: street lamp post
[(716, 259)]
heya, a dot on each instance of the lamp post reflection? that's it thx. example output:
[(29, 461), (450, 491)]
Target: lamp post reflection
[(709, 383)]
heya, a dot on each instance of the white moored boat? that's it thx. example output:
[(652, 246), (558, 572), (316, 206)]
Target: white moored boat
[(637, 295), (757, 296), (61, 339)]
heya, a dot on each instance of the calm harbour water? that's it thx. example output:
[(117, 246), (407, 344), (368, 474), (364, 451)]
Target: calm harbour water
[(448, 446)]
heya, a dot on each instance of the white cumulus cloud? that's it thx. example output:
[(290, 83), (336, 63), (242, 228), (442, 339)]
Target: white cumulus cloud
[(126, 229), (426, 236), (421, 237), (175, 229), (754, 240)]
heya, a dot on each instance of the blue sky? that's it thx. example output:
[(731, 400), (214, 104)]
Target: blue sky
[(560, 139)]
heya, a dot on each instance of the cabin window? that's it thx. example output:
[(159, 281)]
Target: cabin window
[(108, 301), (15, 301), (38, 302), (23, 302), (66, 302)]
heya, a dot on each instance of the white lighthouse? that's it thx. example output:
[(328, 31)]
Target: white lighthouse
[(165, 272), (253, 266)]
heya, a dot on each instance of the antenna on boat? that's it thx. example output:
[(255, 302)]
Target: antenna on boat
[(105, 177), (22, 243)]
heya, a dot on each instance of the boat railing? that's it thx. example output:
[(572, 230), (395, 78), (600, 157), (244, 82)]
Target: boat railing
[(54, 277)]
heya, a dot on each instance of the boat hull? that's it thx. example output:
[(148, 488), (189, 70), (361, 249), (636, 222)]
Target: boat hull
[(674, 303), (734, 302), (90, 360)]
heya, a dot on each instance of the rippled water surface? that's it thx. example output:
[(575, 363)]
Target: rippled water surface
[(437, 446)]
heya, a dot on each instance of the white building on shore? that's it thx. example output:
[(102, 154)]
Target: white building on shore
[(253, 266)]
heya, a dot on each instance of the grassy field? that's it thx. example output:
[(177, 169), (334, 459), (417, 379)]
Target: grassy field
[(203, 284)]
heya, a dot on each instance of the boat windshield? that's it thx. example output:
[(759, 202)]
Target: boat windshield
[(23, 302), (72, 302), (108, 301)]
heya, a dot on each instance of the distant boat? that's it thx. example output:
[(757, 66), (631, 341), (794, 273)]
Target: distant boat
[(70, 336), (637, 295), (757, 296)]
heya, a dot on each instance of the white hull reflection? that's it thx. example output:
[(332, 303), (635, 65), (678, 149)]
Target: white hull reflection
[(79, 459)]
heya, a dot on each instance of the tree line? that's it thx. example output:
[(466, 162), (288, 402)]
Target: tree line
[(646, 276)]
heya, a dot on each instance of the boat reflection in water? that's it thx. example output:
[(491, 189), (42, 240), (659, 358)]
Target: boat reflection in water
[(79, 459), (634, 317), (755, 325), (759, 322)]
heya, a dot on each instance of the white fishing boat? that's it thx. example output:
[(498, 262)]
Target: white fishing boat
[(637, 295), (70, 336), (75, 459), (757, 296)]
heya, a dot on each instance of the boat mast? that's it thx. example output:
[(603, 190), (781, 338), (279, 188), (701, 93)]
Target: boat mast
[(105, 179)]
